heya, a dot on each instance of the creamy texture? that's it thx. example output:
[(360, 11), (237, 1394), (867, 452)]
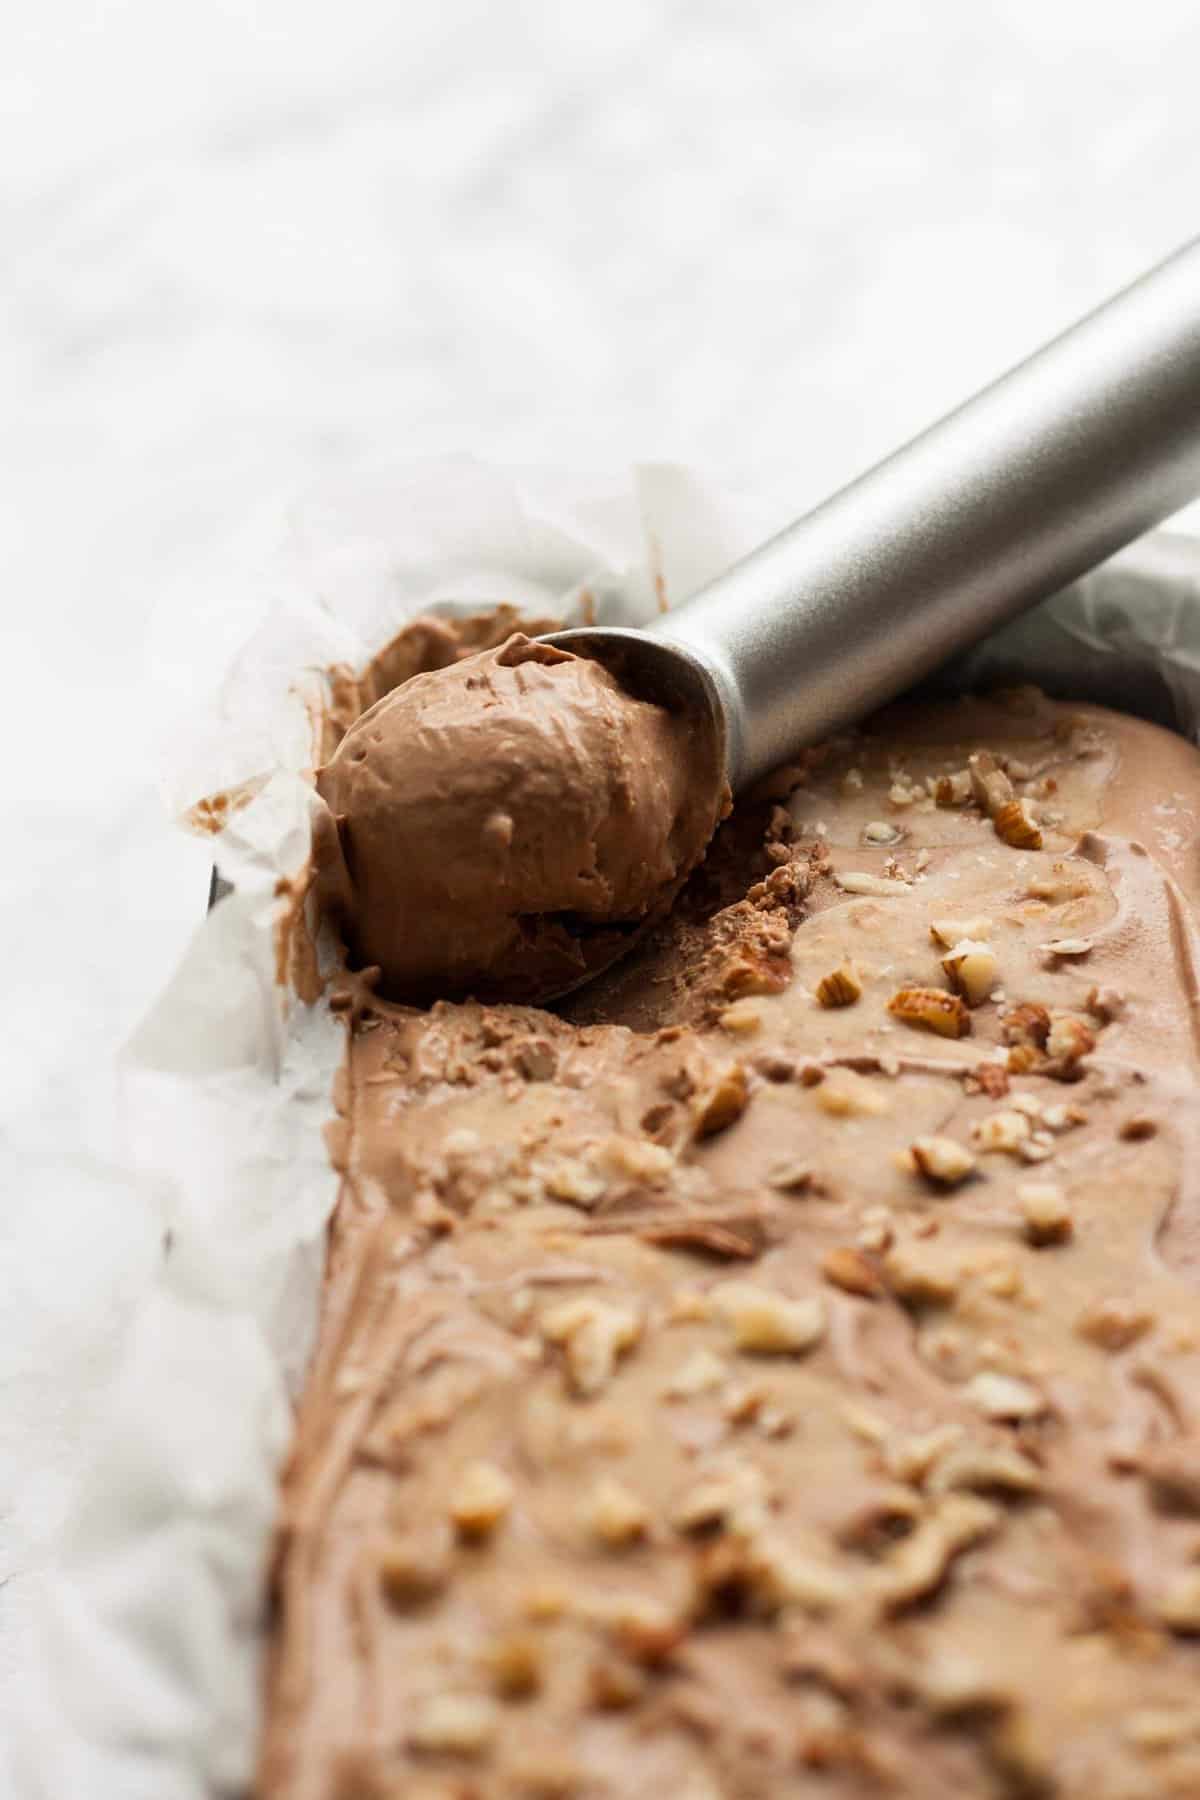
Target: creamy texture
[(739, 1390), (506, 822)]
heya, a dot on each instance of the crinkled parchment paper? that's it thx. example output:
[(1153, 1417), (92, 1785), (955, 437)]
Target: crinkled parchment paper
[(149, 1627)]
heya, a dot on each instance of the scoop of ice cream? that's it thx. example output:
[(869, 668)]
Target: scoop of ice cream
[(504, 825)]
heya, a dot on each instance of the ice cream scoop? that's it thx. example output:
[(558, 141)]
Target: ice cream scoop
[(1040, 476), (504, 825)]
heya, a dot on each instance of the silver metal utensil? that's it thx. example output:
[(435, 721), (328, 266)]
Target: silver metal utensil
[(1040, 476)]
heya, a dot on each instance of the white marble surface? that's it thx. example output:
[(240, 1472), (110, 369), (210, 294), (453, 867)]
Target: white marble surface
[(244, 245)]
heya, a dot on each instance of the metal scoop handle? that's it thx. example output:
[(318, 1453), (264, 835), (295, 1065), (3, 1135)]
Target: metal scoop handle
[(1043, 474)]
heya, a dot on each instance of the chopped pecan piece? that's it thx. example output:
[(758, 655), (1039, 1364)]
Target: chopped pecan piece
[(614, 1515), (942, 1159), (514, 1663), (921, 1562), (413, 1569), (768, 1323), (1015, 824), (593, 1333), (931, 1009), (721, 1104), (982, 1468), (848, 1095), (991, 789), (1004, 1397), (1005, 1131), (1069, 1039), (455, 1724), (1179, 1608), (953, 789), (948, 932), (614, 1684), (972, 970), (848, 1269), (923, 1274), (860, 881), (480, 1499), (699, 1374), (841, 987), (1113, 1323), (1046, 1215)]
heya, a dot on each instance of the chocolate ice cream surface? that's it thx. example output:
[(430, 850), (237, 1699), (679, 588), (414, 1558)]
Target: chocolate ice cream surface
[(775, 1372)]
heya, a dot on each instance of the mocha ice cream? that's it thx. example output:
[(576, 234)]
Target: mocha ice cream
[(775, 1372), (507, 822)]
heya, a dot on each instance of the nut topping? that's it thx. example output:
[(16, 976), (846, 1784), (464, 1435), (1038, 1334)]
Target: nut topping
[(1114, 1324), (1015, 824), (594, 1334), (991, 789), (615, 1516), (480, 1499), (699, 1374), (1045, 1212), (1068, 947), (845, 1094), (954, 789), (841, 987), (1069, 1039), (721, 1104), (416, 1567), (942, 1160), (921, 1562), (514, 1663), (972, 970), (949, 932), (922, 1273), (859, 881), (1003, 1397), (455, 1724), (931, 1009), (768, 1323), (848, 1269), (1004, 1132), (1179, 1608)]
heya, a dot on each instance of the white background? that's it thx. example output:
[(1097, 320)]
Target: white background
[(247, 242)]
